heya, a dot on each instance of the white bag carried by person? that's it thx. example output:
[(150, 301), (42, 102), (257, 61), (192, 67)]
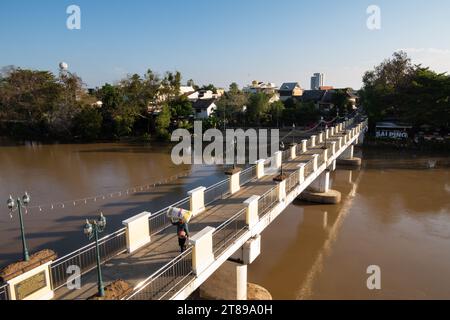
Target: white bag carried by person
[(176, 214)]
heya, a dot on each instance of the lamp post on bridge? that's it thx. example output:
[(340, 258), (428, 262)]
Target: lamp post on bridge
[(21, 203), (92, 230), (325, 132)]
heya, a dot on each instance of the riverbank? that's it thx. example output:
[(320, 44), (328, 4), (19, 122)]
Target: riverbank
[(402, 145)]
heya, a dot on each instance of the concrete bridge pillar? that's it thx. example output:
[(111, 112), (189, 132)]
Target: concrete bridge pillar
[(252, 217), (325, 155), (202, 252), (197, 200), (235, 184), (137, 231), (322, 183), (304, 146), (348, 153), (293, 152), (347, 158), (260, 168), (319, 191), (313, 141), (229, 282)]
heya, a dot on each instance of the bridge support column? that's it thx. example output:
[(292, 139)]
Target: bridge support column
[(301, 172), (278, 159), (229, 282), (235, 184), (260, 168), (248, 253), (333, 166), (137, 231), (304, 146), (202, 252), (320, 192), (293, 152), (197, 200), (313, 141), (347, 158), (252, 217)]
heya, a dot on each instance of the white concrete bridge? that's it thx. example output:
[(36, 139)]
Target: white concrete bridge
[(229, 218)]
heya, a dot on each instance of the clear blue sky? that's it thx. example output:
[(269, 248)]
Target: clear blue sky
[(220, 41)]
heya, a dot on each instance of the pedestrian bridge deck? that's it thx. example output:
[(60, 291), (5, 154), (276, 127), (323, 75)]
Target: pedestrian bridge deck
[(138, 266)]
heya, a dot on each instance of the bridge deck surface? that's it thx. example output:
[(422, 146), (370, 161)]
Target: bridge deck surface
[(138, 266)]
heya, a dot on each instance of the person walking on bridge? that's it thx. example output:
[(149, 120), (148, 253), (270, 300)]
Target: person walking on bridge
[(182, 232)]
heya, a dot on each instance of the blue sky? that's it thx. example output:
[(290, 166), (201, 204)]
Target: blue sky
[(220, 41)]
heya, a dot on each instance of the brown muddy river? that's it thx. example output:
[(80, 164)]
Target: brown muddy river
[(395, 214)]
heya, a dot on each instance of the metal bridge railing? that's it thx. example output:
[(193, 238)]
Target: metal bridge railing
[(159, 221), (268, 201), (229, 232), (4, 292), (309, 168), (86, 258), (247, 175), (166, 281), (292, 182), (218, 191)]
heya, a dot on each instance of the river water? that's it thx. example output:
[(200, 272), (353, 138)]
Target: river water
[(395, 214)]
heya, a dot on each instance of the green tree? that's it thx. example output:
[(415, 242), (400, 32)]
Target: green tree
[(88, 124), (276, 110), (163, 123), (258, 105)]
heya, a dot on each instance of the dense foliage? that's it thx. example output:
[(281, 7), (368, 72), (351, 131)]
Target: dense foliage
[(396, 89)]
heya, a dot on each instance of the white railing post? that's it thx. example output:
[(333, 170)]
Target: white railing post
[(304, 146), (202, 252), (325, 156), (340, 143), (333, 148), (321, 137), (252, 217), (278, 159), (137, 231), (301, 172), (315, 162), (282, 190), (313, 141), (197, 200), (293, 152), (235, 183), (260, 168)]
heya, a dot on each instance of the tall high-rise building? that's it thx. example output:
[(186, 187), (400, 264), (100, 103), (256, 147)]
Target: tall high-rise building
[(316, 81)]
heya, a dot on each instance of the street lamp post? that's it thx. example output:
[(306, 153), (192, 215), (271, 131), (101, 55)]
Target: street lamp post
[(20, 204), (293, 137), (282, 149), (92, 230)]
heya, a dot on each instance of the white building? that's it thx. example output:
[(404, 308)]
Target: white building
[(204, 108)]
